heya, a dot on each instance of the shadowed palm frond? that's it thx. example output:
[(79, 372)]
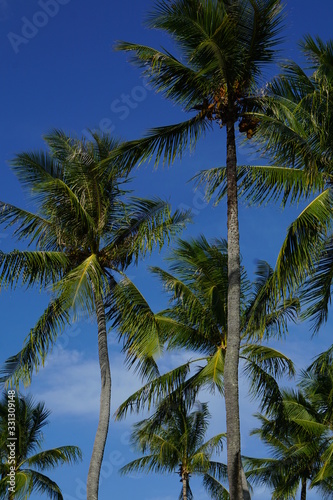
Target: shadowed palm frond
[(51, 458), (31, 268), (267, 313), (28, 226), (259, 371), (213, 481)]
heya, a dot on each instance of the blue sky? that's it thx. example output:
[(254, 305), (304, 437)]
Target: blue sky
[(59, 71)]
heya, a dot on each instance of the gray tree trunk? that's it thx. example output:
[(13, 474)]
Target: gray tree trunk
[(105, 401), (237, 487)]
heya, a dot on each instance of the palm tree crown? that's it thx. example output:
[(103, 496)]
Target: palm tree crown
[(299, 434), (175, 443), (31, 461), (296, 131), (222, 47), (87, 230), (197, 321)]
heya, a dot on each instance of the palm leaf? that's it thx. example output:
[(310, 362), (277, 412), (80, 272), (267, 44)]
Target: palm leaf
[(83, 284), (167, 74), (37, 345), (148, 224), (212, 481), (54, 457), (303, 241), (164, 143), (154, 390), (31, 268), (317, 292), (28, 226)]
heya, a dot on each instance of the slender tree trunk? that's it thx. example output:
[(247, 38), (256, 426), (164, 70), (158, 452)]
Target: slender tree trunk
[(303, 490), (105, 401), (185, 485), (237, 486)]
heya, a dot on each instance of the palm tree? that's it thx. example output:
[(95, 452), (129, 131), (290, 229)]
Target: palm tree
[(197, 321), (29, 461), (296, 131), (300, 435), (222, 47), (172, 440), (86, 231), (296, 450)]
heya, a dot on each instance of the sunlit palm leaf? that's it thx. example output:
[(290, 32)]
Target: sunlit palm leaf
[(37, 345)]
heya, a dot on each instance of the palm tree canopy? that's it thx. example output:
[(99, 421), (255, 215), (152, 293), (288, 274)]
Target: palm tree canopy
[(295, 130), (299, 435), (172, 440), (221, 47), (31, 460), (197, 320), (86, 231)]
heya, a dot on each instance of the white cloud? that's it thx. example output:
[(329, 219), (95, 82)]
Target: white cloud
[(161, 498), (70, 383)]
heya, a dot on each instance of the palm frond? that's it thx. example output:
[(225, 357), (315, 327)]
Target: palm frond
[(303, 241), (140, 330), (163, 143), (29, 268), (317, 292), (28, 226), (212, 481), (147, 224), (37, 345), (147, 464), (214, 444), (82, 284), (267, 314), (263, 184), (211, 375), (39, 483), (166, 74), (53, 457), (154, 390), (262, 384)]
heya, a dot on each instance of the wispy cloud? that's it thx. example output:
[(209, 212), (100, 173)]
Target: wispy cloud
[(70, 383)]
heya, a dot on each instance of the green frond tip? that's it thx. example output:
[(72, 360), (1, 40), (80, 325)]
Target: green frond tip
[(37, 345)]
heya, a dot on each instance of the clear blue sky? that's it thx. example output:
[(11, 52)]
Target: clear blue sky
[(64, 74)]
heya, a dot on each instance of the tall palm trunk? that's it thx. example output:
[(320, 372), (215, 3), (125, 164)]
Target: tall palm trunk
[(185, 485), (236, 489), (105, 401), (303, 490)]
